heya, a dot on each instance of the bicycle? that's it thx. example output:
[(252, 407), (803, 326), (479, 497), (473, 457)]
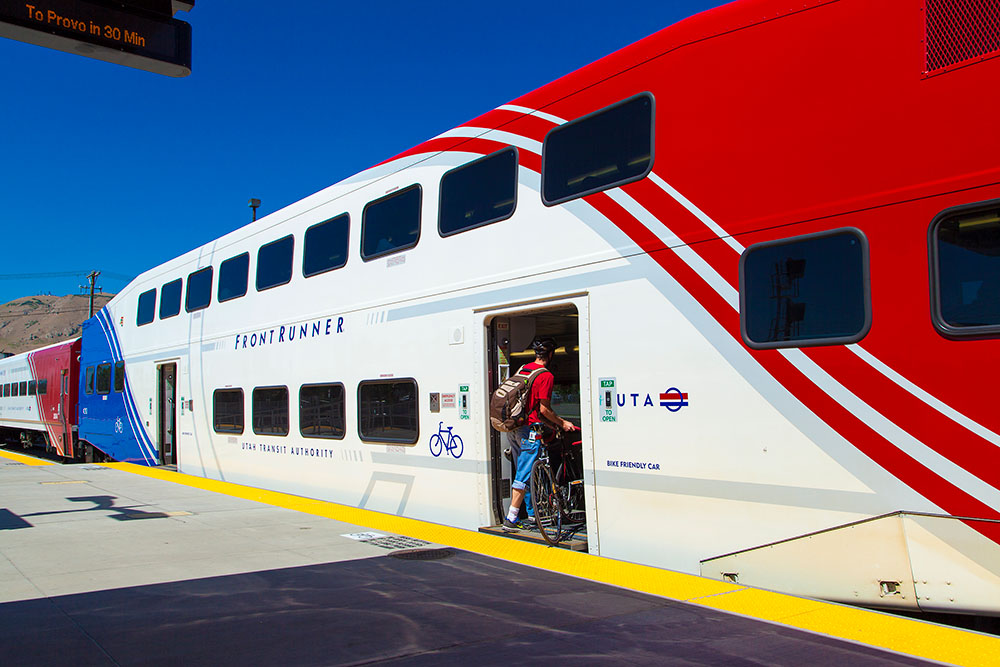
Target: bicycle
[(558, 495), (450, 445)]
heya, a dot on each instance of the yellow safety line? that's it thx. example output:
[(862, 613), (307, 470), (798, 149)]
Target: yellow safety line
[(895, 633), (26, 460)]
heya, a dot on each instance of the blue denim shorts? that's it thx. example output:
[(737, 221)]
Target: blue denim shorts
[(530, 442)]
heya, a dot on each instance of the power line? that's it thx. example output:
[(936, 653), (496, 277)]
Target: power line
[(63, 274), (43, 313)]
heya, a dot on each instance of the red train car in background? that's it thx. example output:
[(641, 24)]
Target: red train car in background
[(38, 398)]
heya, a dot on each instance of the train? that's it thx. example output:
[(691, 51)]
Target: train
[(762, 239)]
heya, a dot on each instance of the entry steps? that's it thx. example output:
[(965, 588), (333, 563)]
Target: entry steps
[(577, 543)]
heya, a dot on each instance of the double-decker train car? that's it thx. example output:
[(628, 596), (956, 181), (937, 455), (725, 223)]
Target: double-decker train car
[(38, 399), (765, 240)]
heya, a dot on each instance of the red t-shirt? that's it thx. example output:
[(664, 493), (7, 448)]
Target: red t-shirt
[(541, 390)]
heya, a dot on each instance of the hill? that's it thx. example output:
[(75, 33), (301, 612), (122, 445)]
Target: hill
[(36, 321)]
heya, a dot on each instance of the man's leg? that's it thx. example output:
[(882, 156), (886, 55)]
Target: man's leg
[(529, 446), (516, 494), (519, 492), (530, 442)]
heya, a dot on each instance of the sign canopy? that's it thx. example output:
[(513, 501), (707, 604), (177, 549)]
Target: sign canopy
[(139, 33)]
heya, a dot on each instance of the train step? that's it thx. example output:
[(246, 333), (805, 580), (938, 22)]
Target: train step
[(577, 543)]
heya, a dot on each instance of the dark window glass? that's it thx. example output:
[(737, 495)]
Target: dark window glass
[(170, 299), (808, 290), (88, 382), (119, 377), (478, 193), (13, 389), (199, 294), (270, 410), (227, 411), (605, 149), (102, 380), (43, 387), (326, 246), (322, 412), (965, 252), (6, 390), (22, 388), (147, 308), (31, 387), (387, 411), (233, 276), (274, 263), (391, 224)]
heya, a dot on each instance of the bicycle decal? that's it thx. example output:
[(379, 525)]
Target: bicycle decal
[(445, 440)]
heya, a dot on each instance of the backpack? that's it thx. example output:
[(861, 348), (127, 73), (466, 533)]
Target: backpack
[(509, 403)]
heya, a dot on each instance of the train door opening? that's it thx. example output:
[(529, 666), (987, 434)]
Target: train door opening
[(166, 383), (509, 339), (66, 437)]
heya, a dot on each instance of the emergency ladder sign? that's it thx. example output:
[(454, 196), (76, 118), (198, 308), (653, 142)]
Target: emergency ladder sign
[(606, 399)]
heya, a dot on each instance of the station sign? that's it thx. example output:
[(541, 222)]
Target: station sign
[(115, 32)]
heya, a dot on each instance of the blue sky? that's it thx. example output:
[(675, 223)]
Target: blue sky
[(109, 168)]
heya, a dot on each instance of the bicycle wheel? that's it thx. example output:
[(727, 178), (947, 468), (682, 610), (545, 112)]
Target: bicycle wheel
[(457, 447), (545, 498), (436, 438), (576, 510)]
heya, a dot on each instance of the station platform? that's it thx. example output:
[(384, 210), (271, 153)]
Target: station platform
[(116, 564)]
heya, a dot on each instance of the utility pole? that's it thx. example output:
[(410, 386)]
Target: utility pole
[(92, 276)]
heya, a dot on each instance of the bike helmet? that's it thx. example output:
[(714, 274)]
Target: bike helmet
[(543, 345)]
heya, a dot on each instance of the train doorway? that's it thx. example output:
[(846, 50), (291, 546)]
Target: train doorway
[(166, 432), (509, 337)]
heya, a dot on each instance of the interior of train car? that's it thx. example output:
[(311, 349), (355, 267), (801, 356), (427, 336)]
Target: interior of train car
[(509, 344)]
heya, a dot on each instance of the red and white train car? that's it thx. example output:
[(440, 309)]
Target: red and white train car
[(38, 397), (768, 241)]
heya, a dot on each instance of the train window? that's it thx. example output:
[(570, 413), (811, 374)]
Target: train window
[(322, 412), (199, 290), (102, 379), (270, 410), (804, 291), (602, 150), (13, 389), (147, 308), (43, 387), (391, 224), (234, 274), (88, 380), (22, 388), (274, 263), (119, 377), (6, 390), (31, 387), (387, 411), (170, 299), (227, 410), (326, 246), (478, 193), (965, 271)]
